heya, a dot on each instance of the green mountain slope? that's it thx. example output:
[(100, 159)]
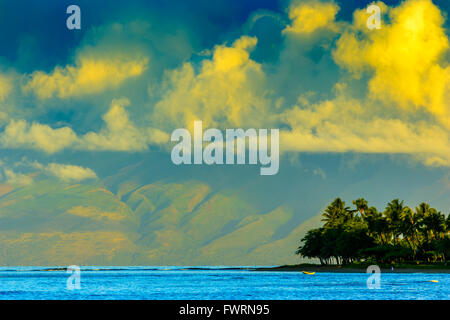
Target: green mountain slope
[(51, 222), (155, 213)]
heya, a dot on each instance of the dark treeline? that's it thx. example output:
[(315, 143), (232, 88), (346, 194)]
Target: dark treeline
[(398, 234)]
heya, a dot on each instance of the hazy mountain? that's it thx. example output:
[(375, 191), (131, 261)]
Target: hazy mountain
[(155, 213)]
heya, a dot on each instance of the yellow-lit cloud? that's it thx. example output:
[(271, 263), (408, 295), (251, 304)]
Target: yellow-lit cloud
[(407, 106), (405, 57), (307, 17), (118, 134), (404, 66), (225, 92), (70, 173), (228, 90), (90, 74), (5, 86), (343, 125), (21, 134), (17, 179)]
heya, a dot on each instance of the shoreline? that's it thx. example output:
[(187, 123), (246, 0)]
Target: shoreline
[(316, 268), (354, 269)]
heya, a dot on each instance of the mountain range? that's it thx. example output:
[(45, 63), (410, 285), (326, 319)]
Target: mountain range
[(155, 213)]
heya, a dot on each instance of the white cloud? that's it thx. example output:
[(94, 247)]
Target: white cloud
[(18, 179), (69, 173), (118, 134)]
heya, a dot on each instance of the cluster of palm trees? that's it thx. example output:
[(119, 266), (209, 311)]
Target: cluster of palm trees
[(397, 234)]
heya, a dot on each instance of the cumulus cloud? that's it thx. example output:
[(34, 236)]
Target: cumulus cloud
[(335, 87), (406, 106), (118, 134), (405, 58), (307, 17), (69, 173), (21, 134), (64, 172), (228, 89), (234, 90), (342, 125), (91, 73), (6, 86), (17, 179)]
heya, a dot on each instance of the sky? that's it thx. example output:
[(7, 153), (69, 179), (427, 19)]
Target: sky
[(79, 104)]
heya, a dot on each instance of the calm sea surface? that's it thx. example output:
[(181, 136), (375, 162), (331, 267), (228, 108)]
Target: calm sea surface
[(213, 283)]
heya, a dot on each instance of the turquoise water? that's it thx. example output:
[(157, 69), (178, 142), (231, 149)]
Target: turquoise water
[(213, 283)]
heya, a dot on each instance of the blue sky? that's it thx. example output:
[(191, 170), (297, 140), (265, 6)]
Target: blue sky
[(348, 101)]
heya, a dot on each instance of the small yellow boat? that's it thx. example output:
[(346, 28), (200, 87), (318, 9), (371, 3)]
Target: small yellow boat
[(306, 272), (435, 281)]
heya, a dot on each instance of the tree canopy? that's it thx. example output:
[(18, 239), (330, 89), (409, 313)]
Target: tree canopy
[(397, 234)]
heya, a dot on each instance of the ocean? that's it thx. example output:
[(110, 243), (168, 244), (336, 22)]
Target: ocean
[(213, 283)]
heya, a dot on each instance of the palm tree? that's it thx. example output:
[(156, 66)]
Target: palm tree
[(361, 205), (433, 229), (393, 212), (336, 214), (423, 208), (313, 243), (410, 224), (434, 223), (397, 234)]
